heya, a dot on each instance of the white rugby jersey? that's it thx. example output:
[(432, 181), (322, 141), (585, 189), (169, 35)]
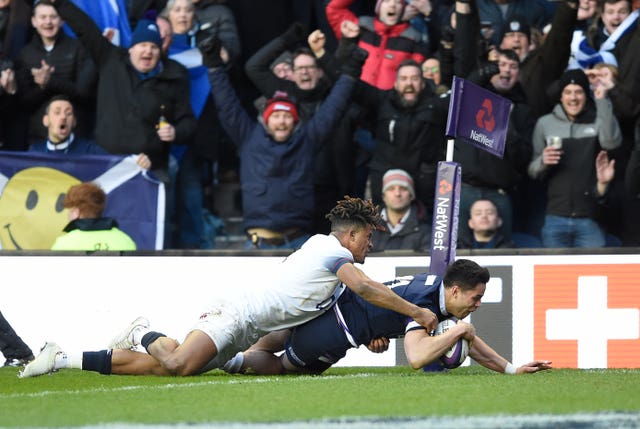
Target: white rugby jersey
[(303, 287)]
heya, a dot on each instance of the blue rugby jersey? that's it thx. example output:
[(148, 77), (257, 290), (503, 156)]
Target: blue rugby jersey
[(366, 321)]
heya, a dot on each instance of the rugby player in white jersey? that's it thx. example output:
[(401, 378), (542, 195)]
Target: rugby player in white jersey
[(306, 284)]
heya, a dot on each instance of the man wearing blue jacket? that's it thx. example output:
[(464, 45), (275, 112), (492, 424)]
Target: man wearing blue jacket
[(277, 153)]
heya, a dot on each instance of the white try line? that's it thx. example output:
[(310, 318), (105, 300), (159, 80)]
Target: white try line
[(240, 379)]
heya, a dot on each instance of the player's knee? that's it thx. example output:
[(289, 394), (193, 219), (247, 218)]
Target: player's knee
[(179, 366)]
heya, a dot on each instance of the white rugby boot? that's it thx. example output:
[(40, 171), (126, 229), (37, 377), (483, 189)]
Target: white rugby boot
[(124, 340), (44, 363)]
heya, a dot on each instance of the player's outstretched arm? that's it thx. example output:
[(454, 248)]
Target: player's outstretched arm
[(482, 353), (378, 294)]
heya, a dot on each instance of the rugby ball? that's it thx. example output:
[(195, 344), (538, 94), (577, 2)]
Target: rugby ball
[(458, 352)]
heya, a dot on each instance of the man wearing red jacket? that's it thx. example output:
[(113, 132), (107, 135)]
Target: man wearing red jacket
[(388, 39)]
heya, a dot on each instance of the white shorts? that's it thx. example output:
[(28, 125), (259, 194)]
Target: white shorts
[(229, 326)]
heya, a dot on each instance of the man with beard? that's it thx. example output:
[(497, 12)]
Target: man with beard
[(407, 123), (485, 176), (335, 158), (277, 152), (408, 126)]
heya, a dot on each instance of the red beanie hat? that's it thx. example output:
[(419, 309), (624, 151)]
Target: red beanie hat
[(280, 102)]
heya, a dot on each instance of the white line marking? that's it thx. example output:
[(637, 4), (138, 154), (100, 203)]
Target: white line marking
[(240, 379)]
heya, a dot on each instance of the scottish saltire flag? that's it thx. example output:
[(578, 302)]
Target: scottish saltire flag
[(33, 186), (446, 208), (478, 116), (186, 53), (110, 16)]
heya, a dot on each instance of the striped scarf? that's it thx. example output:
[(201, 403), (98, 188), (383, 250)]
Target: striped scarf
[(584, 56)]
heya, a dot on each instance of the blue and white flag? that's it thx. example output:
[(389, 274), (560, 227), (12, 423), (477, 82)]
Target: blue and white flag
[(33, 187), (110, 16), (184, 51)]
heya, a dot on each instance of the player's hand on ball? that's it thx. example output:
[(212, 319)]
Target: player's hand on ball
[(427, 319), (469, 331)]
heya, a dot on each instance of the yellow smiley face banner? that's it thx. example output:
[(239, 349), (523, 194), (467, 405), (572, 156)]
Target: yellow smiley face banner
[(33, 187)]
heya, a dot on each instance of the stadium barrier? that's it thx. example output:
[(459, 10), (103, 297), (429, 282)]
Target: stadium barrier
[(579, 310)]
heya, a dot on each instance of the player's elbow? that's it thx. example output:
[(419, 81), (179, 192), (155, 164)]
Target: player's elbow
[(417, 364), (415, 361)]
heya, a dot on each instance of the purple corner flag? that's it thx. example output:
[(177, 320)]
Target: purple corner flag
[(446, 207), (478, 116)]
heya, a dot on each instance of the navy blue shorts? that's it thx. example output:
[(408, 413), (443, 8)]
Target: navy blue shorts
[(317, 344)]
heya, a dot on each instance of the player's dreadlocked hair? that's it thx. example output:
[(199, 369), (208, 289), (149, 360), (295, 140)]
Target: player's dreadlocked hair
[(354, 212)]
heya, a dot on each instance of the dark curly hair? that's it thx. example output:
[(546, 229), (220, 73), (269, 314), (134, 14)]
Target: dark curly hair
[(356, 212)]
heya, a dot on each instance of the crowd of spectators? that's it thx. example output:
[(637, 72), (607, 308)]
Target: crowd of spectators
[(569, 176)]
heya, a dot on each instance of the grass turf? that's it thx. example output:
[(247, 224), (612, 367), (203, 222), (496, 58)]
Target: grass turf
[(73, 397)]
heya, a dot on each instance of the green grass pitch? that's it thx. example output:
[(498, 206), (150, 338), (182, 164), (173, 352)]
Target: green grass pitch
[(75, 398)]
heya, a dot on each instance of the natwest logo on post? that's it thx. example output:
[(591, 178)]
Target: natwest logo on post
[(587, 316), (484, 117)]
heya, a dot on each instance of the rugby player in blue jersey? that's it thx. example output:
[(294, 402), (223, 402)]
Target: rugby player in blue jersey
[(316, 345)]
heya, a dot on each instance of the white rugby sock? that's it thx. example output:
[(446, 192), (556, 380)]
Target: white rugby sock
[(68, 360), (234, 365)]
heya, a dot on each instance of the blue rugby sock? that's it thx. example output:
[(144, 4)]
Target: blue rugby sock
[(149, 338), (97, 361)]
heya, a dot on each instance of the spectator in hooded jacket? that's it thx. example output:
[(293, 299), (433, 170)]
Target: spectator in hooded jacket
[(565, 145), (388, 39)]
